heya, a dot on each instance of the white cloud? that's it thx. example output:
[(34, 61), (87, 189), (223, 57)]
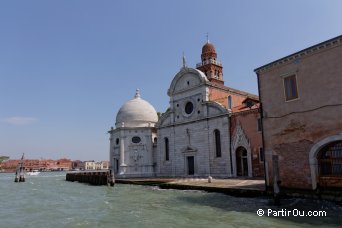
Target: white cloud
[(19, 120)]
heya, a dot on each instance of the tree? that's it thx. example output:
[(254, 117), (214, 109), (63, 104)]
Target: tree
[(3, 158)]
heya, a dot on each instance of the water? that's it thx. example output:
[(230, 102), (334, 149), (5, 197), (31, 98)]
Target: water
[(47, 200)]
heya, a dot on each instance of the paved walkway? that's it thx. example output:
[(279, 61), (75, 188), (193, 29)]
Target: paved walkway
[(238, 183), (232, 186)]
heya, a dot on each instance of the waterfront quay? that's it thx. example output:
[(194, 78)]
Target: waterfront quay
[(240, 187), (243, 187), (235, 186)]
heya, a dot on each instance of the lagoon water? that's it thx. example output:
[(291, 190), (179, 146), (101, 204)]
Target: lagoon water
[(47, 200)]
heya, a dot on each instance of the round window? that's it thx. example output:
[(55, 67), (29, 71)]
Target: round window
[(189, 107), (136, 139)]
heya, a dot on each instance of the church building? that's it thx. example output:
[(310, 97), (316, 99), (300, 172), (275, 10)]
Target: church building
[(209, 129)]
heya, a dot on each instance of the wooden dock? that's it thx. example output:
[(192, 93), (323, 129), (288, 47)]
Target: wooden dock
[(91, 177)]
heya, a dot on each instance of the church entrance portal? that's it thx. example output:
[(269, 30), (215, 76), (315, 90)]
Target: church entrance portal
[(191, 165), (241, 161)]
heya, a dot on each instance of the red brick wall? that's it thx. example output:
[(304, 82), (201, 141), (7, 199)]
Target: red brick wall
[(291, 128), (294, 167), (248, 121), (221, 96)]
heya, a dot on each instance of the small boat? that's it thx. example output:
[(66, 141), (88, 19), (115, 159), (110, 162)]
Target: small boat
[(33, 173)]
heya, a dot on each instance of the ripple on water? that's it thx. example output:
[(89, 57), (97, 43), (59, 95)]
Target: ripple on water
[(50, 201)]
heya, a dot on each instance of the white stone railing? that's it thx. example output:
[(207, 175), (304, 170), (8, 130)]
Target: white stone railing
[(209, 61)]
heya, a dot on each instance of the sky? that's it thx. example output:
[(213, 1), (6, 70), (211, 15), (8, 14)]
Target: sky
[(67, 66)]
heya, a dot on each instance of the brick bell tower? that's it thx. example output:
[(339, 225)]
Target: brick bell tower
[(210, 66)]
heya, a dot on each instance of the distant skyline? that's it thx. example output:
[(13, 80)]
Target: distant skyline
[(66, 67)]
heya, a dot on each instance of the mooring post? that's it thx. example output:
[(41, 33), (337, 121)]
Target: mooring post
[(16, 179), (276, 181), (22, 175), (110, 178)]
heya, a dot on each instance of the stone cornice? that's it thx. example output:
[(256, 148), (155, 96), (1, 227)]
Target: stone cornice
[(196, 120), (129, 128), (308, 51)]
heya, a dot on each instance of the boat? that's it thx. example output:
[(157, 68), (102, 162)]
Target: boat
[(33, 173)]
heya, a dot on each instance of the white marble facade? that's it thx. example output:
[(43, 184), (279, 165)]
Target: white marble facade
[(190, 139), (131, 142)]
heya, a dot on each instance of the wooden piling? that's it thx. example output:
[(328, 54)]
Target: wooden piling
[(91, 177)]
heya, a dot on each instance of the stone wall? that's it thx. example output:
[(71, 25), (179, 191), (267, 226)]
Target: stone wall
[(138, 157), (194, 139)]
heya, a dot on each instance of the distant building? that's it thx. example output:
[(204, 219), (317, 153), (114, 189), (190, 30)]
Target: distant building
[(77, 165), (301, 100), (89, 165), (9, 165), (54, 165), (98, 165), (209, 129), (104, 164), (39, 165), (64, 164)]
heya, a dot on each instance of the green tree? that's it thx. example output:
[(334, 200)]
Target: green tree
[(3, 158)]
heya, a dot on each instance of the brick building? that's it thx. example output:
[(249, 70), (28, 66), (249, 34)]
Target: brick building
[(246, 145), (194, 136), (38, 164), (301, 103), (77, 165)]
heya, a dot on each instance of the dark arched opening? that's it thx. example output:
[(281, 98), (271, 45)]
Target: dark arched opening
[(217, 136), (166, 141), (330, 159), (241, 162)]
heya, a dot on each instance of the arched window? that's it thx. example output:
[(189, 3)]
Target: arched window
[(166, 140), (230, 102), (330, 160), (217, 143)]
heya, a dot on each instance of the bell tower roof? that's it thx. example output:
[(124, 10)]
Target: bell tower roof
[(208, 49), (209, 65)]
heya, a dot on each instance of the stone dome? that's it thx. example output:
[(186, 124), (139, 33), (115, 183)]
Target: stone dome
[(136, 113), (208, 48)]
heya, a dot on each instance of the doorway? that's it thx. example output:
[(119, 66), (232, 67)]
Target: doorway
[(191, 165), (241, 161)]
